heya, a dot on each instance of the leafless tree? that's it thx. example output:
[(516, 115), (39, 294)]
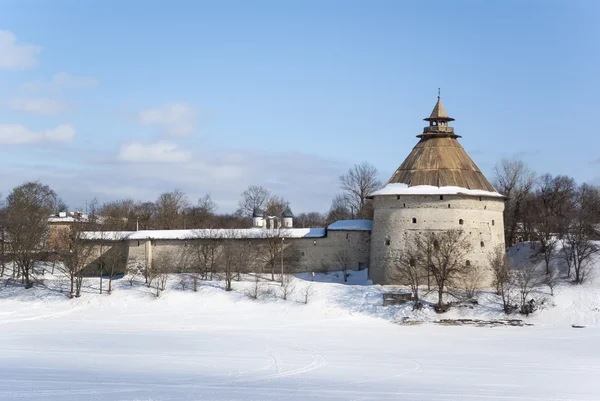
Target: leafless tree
[(228, 262), (133, 271), (28, 207), (201, 215), (551, 280), (254, 291), (360, 181), (275, 206), (527, 278), (271, 248), (158, 272), (342, 260), (554, 202), (339, 210), (408, 267), (118, 215), (445, 254), (515, 180), (80, 255), (254, 197), (288, 287), (311, 219), (169, 209), (307, 292), (115, 258), (503, 277), (470, 281), (145, 214), (578, 246)]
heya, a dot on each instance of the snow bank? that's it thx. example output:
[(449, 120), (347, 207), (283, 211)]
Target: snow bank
[(404, 189)]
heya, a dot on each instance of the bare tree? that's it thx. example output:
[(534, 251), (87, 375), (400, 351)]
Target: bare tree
[(503, 278), (28, 207), (288, 287), (513, 179), (445, 254), (554, 202), (408, 267), (115, 258), (80, 254), (271, 248), (358, 183), (118, 215), (342, 260), (254, 197), (470, 281), (551, 280), (307, 292), (254, 291), (311, 219), (169, 209), (339, 210), (201, 215), (275, 206), (158, 273), (145, 214), (527, 277), (579, 247)]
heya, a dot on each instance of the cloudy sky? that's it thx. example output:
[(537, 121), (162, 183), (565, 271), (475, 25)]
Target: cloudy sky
[(114, 99)]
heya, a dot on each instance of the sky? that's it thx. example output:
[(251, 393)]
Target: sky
[(129, 99)]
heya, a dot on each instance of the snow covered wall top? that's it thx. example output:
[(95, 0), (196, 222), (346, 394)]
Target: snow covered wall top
[(347, 225), (404, 189), (351, 225), (206, 233)]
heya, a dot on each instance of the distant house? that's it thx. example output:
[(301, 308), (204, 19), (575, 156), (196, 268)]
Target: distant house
[(60, 225)]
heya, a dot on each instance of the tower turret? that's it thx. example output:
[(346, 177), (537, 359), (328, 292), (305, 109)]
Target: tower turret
[(288, 217), (258, 218)]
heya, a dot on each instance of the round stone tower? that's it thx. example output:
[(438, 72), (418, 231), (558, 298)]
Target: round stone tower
[(437, 187)]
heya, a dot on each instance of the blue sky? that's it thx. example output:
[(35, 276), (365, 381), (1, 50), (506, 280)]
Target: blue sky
[(119, 99)]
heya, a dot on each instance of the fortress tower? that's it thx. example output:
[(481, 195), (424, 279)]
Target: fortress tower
[(437, 187)]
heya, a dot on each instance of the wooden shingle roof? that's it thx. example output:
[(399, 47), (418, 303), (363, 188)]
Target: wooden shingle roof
[(439, 159)]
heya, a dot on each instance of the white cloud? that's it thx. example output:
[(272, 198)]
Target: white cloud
[(176, 119), (158, 152), (39, 105), (17, 134), (15, 56), (62, 80)]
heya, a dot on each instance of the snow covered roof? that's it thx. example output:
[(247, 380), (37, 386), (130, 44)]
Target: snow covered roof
[(404, 189), (351, 225), (206, 233)]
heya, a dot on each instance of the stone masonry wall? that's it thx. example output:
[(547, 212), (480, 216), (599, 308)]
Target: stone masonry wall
[(397, 216), (300, 254)]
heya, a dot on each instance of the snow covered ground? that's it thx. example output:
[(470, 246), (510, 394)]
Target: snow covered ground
[(342, 345)]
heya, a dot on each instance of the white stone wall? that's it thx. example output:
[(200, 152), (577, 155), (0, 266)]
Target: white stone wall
[(312, 254), (397, 216)]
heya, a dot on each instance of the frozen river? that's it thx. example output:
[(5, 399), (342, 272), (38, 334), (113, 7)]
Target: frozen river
[(174, 349)]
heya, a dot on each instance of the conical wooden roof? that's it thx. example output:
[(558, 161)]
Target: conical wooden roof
[(438, 113), (439, 159)]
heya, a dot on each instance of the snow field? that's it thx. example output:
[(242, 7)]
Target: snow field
[(342, 345)]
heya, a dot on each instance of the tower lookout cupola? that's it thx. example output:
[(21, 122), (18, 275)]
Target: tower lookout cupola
[(438, 123)]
